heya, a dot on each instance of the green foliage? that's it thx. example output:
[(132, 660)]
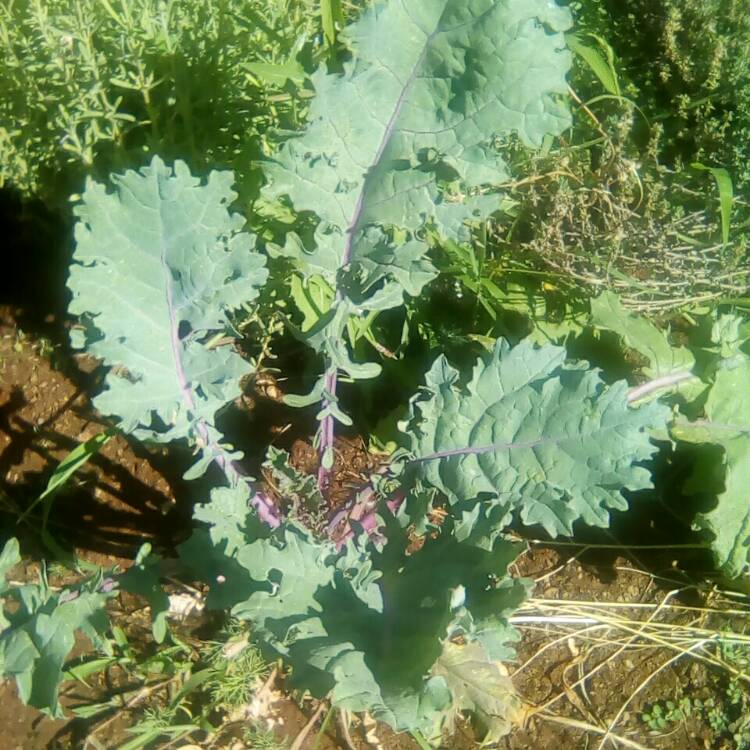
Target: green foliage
[(91, 86), (371, 625), (479, 685), (661, 717), (623, 202), (40, 631), (263, 739), (415, 128), (158, 265), (726, 714), (599, 57), (298, 491), (531, 435), (238, 666), (640, 334), (727, 423), (410, 134), (713, 379), (196, 690), (77, 458), (289, 585), (143, 578), (689, 61), (381, 139), (668, 368)]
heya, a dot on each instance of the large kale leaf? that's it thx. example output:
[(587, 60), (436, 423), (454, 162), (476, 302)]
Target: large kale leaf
[(432, 92), (532, 435), (410, 136), (158, 263)]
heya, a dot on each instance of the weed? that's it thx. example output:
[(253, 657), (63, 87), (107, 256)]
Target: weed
[(727, 713), (262, 739), (661, 717), (238, 667), (611, 216), (89, 86), (688, 64)]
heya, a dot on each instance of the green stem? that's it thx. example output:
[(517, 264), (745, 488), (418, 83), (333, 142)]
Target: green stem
[(323, 727), (420, 740)]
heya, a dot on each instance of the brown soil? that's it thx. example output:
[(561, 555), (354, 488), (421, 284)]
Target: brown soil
[(352, 466), (636, 675), (126, 495), (121, 498)]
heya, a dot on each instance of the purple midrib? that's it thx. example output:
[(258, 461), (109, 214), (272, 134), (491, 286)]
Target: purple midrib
[(479, 450), (327, 425), (233, 472), (497, 447), (183, 382), (351, 229)]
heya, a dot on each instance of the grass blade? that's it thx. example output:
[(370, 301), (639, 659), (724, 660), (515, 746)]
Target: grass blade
[(331, 13), (726, 196), (69, 465), (603, 69)]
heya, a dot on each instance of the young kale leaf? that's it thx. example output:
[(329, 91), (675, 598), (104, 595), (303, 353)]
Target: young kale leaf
[(668, 367), (40, 632), (370, 626)]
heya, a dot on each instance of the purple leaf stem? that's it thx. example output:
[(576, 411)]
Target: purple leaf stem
[(666, 381), (266, 510), (326, 429), (363, 510), (233, 472), (325, 432)]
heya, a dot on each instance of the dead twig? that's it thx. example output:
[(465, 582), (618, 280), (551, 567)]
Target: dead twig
[(300, 738)]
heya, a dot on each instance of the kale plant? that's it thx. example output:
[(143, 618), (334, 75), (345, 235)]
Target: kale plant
[(707, 384), (398, 603), (408, 138)]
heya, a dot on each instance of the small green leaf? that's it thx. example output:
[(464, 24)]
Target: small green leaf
[(299, 489), (727, 424), (331, 14), (277, 74), (143, 578), (603, 69), (10, 556), (90, 710), (81, 671), (642, 335), (726, 196), (41, 633)]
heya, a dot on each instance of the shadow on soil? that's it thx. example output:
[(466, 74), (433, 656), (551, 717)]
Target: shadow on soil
[(111, 506), (37, 253)]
